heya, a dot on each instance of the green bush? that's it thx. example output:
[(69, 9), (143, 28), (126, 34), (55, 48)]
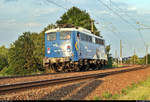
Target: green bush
[(115, 96), (3, 62), (124, 91), (96, 98), (107, 95)]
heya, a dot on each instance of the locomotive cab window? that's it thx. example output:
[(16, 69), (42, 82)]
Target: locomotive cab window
[(65, 35), (51, 36)]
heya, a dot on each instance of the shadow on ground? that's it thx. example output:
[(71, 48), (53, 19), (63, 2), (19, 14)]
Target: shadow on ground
[(86, 90), (66, 90)]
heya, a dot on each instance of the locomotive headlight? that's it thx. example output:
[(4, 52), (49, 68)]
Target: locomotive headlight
[(68, 48), (48, 50)]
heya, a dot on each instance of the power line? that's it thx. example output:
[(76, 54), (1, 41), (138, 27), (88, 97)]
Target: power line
[(117, 14), (115, 33), (124, 12), (122, 19), (67, 9), (132, 19), (56, 4)]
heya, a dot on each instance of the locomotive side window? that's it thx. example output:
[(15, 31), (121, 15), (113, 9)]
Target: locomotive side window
[(90, 39), (85, 37), (65, 35), (99, 41), (51, 36)]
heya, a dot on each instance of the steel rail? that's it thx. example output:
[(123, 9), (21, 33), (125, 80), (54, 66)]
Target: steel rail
[(14, 87), (34, 75)]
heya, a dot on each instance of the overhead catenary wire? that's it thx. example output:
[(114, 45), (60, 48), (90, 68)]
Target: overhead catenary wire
[(132, 19), (115, 33), (112, 3), (66, 9), (117, 14), (106, 5), (52, 2), (59, 5), (122, 19)]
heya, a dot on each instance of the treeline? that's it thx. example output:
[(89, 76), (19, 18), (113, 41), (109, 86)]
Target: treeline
[(25, 55), (136, 60)]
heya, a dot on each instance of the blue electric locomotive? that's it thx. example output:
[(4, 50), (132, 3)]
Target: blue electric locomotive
[(73, 49)]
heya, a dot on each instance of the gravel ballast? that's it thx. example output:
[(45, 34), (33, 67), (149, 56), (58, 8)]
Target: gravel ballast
[(81, 90), (54, 76)]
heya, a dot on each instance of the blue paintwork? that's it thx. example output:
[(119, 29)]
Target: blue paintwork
[(86, 50)]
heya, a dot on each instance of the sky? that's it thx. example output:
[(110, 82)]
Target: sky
[(116, 19)]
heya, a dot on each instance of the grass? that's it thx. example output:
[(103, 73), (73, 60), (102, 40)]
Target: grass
[(97, 98), (107, 95), (117, 65), (3, 73), (136, 91)]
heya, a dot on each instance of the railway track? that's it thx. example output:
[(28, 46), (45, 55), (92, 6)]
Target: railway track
[(10, 77), (18, 86)]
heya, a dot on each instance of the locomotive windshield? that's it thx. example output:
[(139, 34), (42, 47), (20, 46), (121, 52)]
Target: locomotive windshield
[(65, 35), (51, 36)]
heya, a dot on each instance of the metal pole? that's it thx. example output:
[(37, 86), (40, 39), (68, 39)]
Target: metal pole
[(134, 56), (116, 56), (146, 54), (121, 52), (92, 26)]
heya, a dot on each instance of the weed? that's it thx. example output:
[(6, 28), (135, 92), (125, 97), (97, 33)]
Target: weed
[(115, 96), (134, 85), (107, 95), (143, 97), (96, 98), (124, 91)]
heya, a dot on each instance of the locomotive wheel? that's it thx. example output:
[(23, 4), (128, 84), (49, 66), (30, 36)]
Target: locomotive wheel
[(66, 67), (52, 68), (60, 67), (77, 68), (72, 66)]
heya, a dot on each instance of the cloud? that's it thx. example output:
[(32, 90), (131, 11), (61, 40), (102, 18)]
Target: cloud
[(103, 12), (132, 8), (76, 1), (33, 24), (41, 12), (6, 23), (7, 1)]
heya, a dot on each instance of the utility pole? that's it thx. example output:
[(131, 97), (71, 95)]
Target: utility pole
[(121, 52), (146, 54), (134, 57), (116, 56), (92, 26)]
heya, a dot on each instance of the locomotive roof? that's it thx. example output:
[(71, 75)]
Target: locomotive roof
[(73, 29)]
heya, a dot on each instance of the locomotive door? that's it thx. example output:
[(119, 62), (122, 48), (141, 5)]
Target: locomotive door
[(75, 46)]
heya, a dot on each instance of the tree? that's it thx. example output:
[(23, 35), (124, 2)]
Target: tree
[(77, 17), (148, 59), (108, 49), (3, 57), (3, 50), (3, 62), (21, 59), (109, 56), (134, 59)]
